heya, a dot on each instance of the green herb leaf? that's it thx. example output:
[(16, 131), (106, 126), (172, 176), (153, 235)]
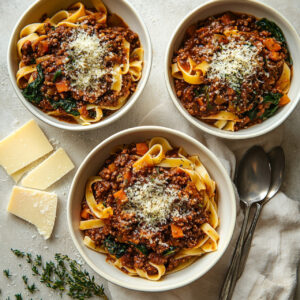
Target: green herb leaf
[(18, 297), (252, 113), (274, 100), (276, 33), (57, 74), (68, 105), (6, 273), (18, 253), (169, 251), (114, 247), (33, 90), (142, 248)]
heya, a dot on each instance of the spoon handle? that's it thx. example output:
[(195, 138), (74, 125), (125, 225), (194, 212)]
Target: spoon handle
[(248, 240), (231, 277)]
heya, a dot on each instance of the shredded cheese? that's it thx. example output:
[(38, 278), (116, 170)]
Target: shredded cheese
[(234, 63), (153, 202), (86, 60)]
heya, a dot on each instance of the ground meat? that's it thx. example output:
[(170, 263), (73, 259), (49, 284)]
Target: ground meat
[(246, 100), (145, 246)]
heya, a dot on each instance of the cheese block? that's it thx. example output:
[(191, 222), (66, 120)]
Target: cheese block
[(49, 171), (22, 147), (36, 207), (19, 174)]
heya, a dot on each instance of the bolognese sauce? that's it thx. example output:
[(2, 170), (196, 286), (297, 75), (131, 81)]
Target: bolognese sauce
[(232, 70)]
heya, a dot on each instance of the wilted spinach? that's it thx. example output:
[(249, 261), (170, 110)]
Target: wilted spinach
[(57, 74), (272, 98), (68, 105), (33, 90), (276, 33), (114, 247), (142, 248)]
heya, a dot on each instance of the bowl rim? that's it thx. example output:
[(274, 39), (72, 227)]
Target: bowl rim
[(231, 202), (198, 123), (68, 126)]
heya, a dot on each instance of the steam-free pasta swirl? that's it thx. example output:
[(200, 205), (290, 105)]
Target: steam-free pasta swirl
[(152, 209), (80, 65)]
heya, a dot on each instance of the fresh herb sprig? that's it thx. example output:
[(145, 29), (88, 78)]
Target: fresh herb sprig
[(6, 273), (62, 274), (31, 288)]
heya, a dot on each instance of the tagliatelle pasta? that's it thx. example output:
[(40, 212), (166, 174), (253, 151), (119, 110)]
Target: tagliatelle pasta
[(79, 65), (152, 209), (232, 70)]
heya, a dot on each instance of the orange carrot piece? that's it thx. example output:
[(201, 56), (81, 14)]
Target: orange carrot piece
[(62, 86), (44, 46), (127, 176), (112, 167), (141, 148), (284, 100), (271, 44), (176, 231), (121, 195), (85, 213), (275, 56)]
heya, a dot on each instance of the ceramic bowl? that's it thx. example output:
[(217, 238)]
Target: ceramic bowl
[(259, 10), (226, 208), (122, 8)]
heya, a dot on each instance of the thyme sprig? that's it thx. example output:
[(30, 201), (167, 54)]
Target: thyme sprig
[(63, 274), (7, 273)]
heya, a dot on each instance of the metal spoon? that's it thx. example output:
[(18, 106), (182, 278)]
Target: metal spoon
[(277, 161), (253, 181)]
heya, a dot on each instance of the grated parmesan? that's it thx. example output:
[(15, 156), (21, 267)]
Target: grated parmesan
[(235, 63), (153, 202), (86, 64)]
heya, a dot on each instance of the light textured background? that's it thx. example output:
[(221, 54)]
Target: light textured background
[(160, 17)]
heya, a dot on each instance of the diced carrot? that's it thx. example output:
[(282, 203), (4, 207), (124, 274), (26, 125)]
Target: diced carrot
[(271, 44), (112, 167), (120, 196), (59, 61), (85, 213), (226, 19), (274, 56), (62, 86), (284, 100), (141, 148), (127, 176), (176, 231), (44, 46)]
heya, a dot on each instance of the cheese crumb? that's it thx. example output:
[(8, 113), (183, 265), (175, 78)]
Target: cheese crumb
[(153, 202), (86, 63), (235, 63)]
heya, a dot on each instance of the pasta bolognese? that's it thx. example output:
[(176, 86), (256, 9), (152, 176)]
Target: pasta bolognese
[(80, 65), (152, 209)]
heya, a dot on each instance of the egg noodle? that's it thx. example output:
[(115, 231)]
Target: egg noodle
[(233, 63), (156, 157), (74, 18)]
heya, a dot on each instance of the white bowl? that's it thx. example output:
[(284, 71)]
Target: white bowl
[(259, 10), (226, 211), (122, 8)]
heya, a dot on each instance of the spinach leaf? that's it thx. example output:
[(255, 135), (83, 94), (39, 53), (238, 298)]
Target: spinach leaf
[(276, 33), (33, 90), (200, 90), (114, 247), (68, 105), (57, 74), (142, 248), (272, 98), (169, 251), (252, 113)]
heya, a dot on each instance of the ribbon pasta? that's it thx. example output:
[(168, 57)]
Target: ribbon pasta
[(157, 155), (74, 17)]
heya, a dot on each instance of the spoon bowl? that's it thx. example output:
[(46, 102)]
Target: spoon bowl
[(253, 176)]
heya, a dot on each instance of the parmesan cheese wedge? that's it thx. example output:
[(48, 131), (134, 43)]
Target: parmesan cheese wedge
[(36, 207), (49, 171), (23, 147)]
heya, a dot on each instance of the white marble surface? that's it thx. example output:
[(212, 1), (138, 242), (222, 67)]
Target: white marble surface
[(160, 17)]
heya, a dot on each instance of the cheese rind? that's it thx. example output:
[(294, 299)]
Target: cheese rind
[(36, 207), (49, 171), (23, 147)]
